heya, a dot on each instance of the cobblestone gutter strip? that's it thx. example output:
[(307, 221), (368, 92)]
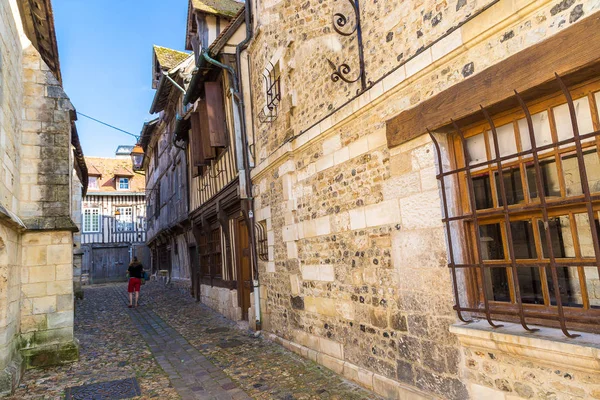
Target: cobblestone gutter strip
[(263, 369), (191, 374), (111, 349)]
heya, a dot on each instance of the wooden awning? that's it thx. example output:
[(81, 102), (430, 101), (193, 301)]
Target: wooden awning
[(574, 54)]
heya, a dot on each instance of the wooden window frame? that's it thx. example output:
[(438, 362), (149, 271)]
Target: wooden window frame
[(123, 213), (97, 216), (96, 181), (128, 180), (529, 209), (216, 253)]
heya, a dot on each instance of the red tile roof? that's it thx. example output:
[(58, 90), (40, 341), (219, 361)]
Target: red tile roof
[(110, 169)]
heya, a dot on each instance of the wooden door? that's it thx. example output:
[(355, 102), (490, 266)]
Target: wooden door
[(109, 264), (244, 272)]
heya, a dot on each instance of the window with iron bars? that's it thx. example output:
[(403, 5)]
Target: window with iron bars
[(262, 242), (528, 185), (272, 78)]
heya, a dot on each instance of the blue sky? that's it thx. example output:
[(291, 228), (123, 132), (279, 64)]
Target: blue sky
[(105, 50)]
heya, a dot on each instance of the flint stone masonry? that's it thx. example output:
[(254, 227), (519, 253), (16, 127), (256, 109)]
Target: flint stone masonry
[(371, 213)]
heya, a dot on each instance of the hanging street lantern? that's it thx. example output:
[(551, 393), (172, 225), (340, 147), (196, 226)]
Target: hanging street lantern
[(137, 157)]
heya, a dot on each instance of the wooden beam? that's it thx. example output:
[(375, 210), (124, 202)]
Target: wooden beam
[(573, 53)]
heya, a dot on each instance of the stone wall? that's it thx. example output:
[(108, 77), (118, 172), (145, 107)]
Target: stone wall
[(36, 289), (46, 162), (47, 299), (222, 300), (357, 276)]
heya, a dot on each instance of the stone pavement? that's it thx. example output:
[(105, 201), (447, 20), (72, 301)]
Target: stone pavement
[(191, 374), (178, 348)]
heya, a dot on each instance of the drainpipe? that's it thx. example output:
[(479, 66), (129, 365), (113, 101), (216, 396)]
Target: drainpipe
[(238, 55), (166, 74)]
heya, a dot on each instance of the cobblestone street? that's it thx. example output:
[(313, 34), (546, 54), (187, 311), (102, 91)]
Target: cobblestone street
[(178, 348)]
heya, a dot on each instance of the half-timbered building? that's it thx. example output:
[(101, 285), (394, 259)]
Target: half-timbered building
[(219, 191), (200, 129), (165, 165), (113, 223)]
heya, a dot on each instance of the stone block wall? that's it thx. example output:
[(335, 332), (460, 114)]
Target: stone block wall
[(357, 276), (10, 304), (46, 163), (222, 300), (47, 299), (36, 245)]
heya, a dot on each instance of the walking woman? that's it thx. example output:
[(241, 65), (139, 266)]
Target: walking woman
[(136, 272)]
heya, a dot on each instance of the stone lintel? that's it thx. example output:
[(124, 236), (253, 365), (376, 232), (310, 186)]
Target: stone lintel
[(546, 346)]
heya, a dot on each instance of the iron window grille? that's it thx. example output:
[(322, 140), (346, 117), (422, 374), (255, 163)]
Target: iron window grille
[(530, 252), (272, 78), (262, 241)]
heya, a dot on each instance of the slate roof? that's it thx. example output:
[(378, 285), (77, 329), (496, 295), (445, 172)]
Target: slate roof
[(112, 168), (169, 58), (225, 8)]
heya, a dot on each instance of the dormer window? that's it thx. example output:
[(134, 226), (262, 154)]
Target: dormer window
[(123, 184), (93, 183)]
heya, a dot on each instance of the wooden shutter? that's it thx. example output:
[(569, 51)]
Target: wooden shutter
[(208, 152), (216, 114), (196, 154)]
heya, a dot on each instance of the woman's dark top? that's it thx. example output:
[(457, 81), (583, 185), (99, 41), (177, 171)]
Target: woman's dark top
[(135, 270)]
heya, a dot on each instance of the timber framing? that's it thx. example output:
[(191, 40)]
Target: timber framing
[(574, 54), (227, 198)]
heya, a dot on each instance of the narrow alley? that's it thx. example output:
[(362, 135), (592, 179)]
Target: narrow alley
[(177, 348)]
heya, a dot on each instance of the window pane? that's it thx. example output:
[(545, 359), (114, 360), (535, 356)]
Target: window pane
[(584, 235), (523, 239), (572, 174), (592, 167), (562, 118), (560, 233), (483, 191), (497, 284), (541, 131), (512, 186), (530, 285), (476, 149), (549, 179), (506, 140), (593, 286), (568, 283), (490, 237)]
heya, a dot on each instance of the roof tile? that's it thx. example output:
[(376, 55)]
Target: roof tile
[(226, 8), (109, 169), (169, 58)]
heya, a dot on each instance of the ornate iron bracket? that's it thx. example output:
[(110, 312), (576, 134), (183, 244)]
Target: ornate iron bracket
[(340, 22)]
